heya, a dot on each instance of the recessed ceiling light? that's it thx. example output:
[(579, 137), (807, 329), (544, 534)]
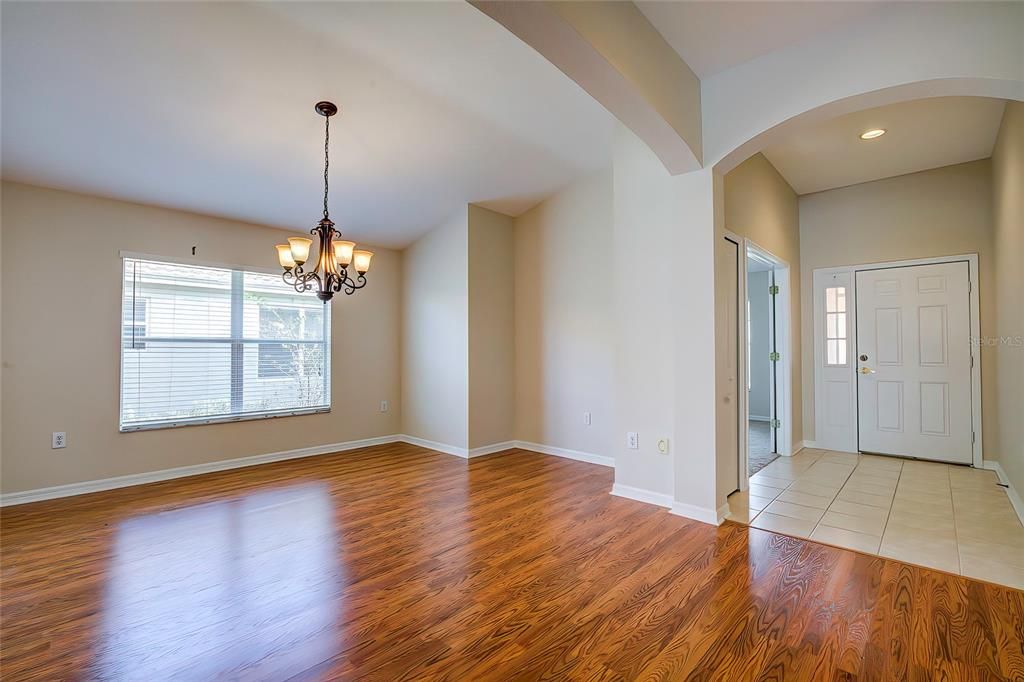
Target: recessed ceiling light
[(872, 134)]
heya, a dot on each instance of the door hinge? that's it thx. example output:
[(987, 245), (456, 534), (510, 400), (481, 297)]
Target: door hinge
[(972, 437), (774, 356), (776, 423), (972, 362), (773, 289)]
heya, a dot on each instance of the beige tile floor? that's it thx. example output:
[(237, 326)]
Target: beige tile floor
[(952, 518)]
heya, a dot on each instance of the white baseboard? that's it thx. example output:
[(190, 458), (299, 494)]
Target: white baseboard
[(98, 485), (702, 514), (492, 448), (1011, 492), (810, 444), (71, 489), (465, 453), (434, 445), (642, 495), (711, 516), (800, 446), (603, 460)]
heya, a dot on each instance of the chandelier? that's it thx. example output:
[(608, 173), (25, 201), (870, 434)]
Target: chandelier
[(330, 274)]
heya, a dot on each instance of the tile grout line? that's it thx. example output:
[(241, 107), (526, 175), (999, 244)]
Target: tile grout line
[(752, 518), (816, 523), (836, 496), (956, 529), (888, 515)]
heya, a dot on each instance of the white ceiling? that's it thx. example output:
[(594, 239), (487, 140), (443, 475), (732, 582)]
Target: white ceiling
[(921, 134), (714, 36), (208, 107)]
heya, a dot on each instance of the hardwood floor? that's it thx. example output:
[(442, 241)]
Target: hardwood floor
[(395, 563)]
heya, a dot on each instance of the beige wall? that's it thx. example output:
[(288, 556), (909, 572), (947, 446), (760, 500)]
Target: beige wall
[(61, 341), (663, 314), (492, 405), (760, 205), (941, 212), (643, 399), (562, 326), (1007, 439), (435, 335)]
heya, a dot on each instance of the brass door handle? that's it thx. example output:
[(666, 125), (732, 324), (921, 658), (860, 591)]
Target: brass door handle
[(866, 370)]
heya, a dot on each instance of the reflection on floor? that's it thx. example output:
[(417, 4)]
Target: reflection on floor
[(952, 518), (760, 442), (394, 562)]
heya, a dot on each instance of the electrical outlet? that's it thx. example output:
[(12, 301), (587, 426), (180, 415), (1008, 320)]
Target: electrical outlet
[(663, 446), (383, 406), (632, 440), (59, 439), (586, 418)]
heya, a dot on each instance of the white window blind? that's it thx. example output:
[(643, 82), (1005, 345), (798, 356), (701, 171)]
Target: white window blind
[(204, 344)]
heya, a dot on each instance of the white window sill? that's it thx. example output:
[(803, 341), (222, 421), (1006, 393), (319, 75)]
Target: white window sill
[(223, 419)]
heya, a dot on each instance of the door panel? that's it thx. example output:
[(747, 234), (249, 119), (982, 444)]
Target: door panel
[(914, 387), (835, 394), (727, 360)]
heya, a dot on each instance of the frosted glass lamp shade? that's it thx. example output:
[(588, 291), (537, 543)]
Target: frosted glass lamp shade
[(300, 248), (284, 256), (362, 260), (343, 252)]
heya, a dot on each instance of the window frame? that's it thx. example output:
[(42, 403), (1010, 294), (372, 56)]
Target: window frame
[(843, 314), (239, 271)]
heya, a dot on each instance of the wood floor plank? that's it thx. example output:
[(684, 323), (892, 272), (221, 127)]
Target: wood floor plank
[(399, 563)]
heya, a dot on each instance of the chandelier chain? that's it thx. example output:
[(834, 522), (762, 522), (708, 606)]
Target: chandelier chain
[(327, 161)]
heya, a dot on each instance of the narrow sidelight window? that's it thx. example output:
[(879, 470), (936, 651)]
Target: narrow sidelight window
[(835, 326)]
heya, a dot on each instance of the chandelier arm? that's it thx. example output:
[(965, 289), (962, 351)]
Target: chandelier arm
[(352, 286), (304, 281), (339, 282)]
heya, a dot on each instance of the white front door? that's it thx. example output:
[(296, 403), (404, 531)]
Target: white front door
[(914, 361)]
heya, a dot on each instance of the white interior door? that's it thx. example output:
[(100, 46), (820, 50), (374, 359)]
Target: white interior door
[(914, 361), (727, 358)]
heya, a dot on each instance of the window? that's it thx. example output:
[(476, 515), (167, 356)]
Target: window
[(835, 326), (204, 344), (286, 359)]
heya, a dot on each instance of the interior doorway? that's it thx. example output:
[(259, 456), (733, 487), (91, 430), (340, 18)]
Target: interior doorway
[(754, 361), (762, 357), (767, 337)]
